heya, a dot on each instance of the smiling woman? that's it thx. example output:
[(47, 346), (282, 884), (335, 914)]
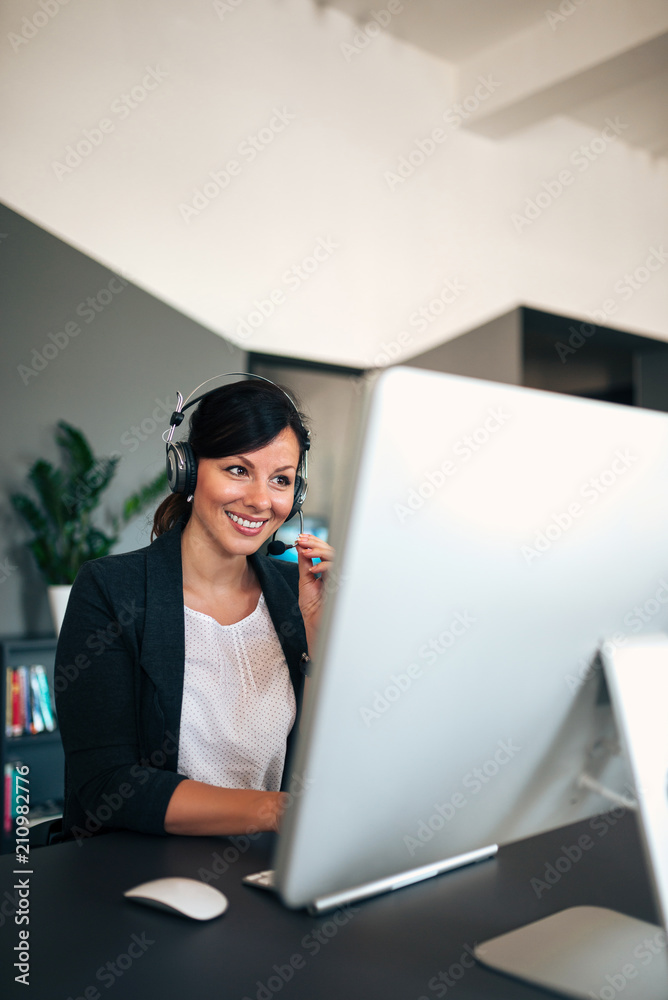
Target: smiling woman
[(254, 491), (183, 723)]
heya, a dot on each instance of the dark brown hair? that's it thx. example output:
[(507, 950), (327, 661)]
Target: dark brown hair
[(230, 420)]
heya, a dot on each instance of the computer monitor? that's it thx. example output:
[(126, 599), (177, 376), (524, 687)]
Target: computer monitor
[(493, 539)]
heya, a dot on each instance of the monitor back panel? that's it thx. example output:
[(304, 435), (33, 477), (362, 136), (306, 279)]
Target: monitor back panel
[(492, 538)]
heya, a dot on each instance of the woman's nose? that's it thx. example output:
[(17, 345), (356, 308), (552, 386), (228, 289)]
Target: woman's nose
[(257, 495)]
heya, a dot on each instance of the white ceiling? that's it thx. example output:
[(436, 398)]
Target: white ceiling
[(342, 236), (635, 88), (452, 29)]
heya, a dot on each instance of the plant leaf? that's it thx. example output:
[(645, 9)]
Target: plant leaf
[(48, 483), (79, 456), (64, 537), (137, 502), (23, 505)]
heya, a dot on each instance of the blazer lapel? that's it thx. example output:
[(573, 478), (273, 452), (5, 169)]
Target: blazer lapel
[(163, 646)]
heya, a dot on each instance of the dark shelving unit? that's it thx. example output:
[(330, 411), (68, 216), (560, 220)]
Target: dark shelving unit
[(42, 752)]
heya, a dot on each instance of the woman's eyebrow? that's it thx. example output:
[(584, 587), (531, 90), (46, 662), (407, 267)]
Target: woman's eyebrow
[(246, 461)]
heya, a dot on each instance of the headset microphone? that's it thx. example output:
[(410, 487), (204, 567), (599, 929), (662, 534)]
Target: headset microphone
[(278, 548)]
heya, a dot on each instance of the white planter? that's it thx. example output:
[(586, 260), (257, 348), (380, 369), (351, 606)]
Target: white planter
[(58, 597)]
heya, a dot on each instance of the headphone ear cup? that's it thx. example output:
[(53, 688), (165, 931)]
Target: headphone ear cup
[(181, 467)]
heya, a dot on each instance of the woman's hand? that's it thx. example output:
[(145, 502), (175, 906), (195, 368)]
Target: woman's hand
[(312, 588)]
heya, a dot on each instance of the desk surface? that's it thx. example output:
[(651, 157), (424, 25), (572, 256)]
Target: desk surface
[(84, 933)]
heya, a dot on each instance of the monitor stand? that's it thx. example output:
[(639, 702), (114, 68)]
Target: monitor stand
[(587, 951), (399, 881)]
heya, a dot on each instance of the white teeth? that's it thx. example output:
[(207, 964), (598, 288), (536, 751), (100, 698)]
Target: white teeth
[(244, 523)]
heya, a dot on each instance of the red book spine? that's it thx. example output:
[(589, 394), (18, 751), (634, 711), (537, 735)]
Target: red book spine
[(17, 725)]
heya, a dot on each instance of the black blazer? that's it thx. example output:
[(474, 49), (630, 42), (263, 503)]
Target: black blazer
[(119, 682)]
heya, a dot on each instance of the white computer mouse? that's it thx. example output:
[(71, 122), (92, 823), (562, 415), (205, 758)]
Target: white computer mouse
[(187, 896)]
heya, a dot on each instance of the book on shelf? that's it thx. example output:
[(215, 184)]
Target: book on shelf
[(7, 797), (29, 703), (9, 813), (24, 699), (9, 680), (17, 726), (36, 717), (46, 701)]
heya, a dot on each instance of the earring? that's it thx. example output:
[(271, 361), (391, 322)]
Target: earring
[(188, 499)]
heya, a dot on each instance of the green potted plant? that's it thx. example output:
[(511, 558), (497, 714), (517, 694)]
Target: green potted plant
[(64, 535)]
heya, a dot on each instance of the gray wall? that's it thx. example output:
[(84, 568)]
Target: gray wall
[(492, 351), (120, 371)]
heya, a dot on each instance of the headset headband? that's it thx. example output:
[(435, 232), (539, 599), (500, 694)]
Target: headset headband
[(182, 405)]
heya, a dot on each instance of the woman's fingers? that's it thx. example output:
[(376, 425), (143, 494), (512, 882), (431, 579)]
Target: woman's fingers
[(315, 548), (322, 567)]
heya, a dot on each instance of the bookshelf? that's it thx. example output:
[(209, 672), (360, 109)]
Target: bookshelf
[(42, 752)]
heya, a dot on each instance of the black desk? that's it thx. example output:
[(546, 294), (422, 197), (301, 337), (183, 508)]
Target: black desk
[(392, 947)]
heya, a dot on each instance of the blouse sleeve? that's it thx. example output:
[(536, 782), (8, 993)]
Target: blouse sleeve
[(109, 783)]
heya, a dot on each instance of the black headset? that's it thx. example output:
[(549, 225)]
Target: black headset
[(182, 464)]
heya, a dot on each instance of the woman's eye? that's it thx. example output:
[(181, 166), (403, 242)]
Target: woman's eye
[(283, 481), (237, 470)]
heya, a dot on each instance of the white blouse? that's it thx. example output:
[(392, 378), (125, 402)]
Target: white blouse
[(238, 702)]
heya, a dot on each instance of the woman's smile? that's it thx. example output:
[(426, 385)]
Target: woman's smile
[(245, 525)]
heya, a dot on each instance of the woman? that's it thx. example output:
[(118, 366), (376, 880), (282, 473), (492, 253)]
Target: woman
[(180, 666)]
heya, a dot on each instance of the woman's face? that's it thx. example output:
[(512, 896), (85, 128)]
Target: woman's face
[(240, 500)]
